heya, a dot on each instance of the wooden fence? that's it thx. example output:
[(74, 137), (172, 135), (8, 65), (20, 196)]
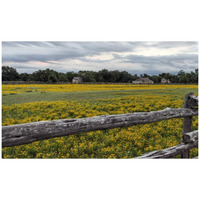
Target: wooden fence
[(29, 132)]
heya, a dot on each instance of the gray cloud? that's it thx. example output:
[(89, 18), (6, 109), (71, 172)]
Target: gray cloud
[(175, 44), (174, 63), (169, 59), (58, 50), (62, 55)]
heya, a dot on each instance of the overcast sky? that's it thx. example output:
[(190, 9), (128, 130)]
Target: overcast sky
[(134, 57)]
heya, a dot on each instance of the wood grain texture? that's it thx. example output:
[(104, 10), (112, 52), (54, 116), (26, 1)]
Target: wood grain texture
[(190, 137), (192, 101), (30, 132), (170, 152), (187, 122)]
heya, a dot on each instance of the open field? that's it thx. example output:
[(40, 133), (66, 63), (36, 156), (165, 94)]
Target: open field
[(18, 94), (29, 103)]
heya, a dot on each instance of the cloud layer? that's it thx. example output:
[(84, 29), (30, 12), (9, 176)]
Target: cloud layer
[(135, 57)]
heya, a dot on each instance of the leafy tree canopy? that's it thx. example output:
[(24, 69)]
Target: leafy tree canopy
[(116, 76)]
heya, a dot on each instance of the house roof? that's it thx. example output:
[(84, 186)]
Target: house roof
[(143, 79)]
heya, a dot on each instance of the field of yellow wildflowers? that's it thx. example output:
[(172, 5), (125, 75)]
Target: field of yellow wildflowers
[(30, 103)]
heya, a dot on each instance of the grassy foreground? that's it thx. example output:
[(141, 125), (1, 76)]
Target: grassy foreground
[(29, 103)]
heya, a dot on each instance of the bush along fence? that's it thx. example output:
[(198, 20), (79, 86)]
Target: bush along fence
[(29, 132)]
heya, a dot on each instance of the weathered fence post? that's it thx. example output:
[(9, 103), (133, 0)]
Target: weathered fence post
[(187, 124)]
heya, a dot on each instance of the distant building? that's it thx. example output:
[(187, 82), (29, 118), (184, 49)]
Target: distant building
[(143, 81), (77, 80), (164, 81)]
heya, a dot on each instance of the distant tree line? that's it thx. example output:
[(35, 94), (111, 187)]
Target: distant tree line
[(52, 76)]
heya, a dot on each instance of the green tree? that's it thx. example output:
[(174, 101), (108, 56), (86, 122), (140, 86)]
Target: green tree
[(71, 75), (156, 78), (46, 75), (25, 77), (63, 77), (114, 76), (125, 77), (134, 77), (104, 74), (88, 76), (194, 76), (52, 78), (9, 74)]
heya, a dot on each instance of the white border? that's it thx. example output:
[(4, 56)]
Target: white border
[(92, 20)]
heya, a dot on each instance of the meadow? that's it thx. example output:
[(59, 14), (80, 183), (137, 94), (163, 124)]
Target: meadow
[(30, 103)]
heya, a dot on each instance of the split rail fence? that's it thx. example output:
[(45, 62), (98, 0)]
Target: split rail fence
[(29, 132)]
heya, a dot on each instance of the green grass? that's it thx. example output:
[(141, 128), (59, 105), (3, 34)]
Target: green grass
[(122, 141), (37, 96)]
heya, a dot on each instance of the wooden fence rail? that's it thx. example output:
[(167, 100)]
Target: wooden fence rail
[(30, 132), (192, 142)]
